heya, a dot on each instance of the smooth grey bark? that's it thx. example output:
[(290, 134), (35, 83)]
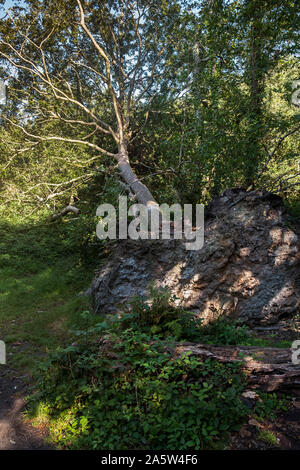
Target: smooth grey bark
[(142, 193)]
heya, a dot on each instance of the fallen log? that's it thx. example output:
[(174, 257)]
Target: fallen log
[(267, 369)]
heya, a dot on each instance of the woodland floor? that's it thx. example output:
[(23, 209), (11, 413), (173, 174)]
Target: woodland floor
[(17, 433), (256, 436), (286, 428), (38, 304)]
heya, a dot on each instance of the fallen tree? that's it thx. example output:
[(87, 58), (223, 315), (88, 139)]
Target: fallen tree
[(267, 369), (120, 49)]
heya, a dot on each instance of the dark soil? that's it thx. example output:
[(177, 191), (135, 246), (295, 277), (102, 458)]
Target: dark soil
[(285, 429)]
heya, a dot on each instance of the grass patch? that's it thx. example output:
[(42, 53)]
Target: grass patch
[(40, 278), (268, 437)]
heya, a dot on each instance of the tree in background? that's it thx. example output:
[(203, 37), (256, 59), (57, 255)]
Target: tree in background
[(183, 99)]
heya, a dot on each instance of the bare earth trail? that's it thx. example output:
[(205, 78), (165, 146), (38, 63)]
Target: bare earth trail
[(15, 434)]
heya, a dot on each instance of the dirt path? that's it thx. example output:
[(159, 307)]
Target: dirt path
[(15, 434)]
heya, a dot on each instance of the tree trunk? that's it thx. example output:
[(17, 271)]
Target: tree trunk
[(142, 193), (256, 82), (267, 369)]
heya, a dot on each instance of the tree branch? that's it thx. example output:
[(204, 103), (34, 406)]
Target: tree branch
[(62, 139)]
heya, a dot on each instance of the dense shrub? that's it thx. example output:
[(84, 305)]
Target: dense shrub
[(224, 332), (128, 391)]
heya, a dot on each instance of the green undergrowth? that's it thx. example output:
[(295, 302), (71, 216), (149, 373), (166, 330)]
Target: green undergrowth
[(127, 390), (157, 314), (270, 404), (121, 384)]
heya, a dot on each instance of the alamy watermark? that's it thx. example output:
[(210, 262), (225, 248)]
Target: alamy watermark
[(296, 352), (2, 93), (296, 93), (2, 353), (155, 222)]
